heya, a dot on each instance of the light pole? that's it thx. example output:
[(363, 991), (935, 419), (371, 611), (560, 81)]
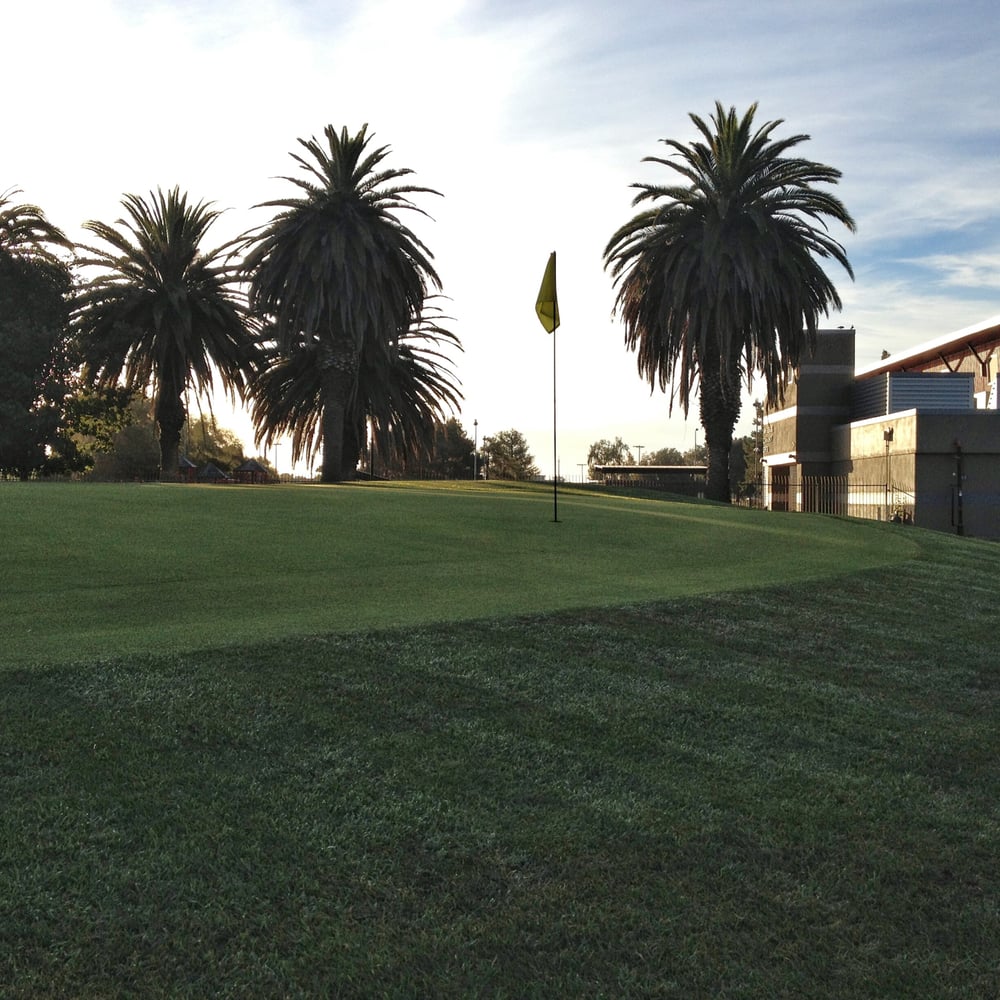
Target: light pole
[(639, 448), (581, 465), (887, 436), (758, 450), (277, 475), (475, 452)]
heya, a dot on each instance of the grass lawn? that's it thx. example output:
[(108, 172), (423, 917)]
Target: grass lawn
[(92, 569), (655, 750)]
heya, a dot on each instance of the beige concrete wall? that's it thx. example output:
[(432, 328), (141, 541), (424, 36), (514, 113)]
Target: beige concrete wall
[(780, 433), (922, 462), (859, 450), (978, 434), (817, 398)]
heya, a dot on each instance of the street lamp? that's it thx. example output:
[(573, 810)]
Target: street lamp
[(639, 448), (887, 437), (475, 451)]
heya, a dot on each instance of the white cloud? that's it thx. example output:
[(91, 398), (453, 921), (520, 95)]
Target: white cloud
[(967, 271)]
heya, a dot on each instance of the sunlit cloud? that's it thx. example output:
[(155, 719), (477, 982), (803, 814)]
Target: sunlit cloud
[(967, 271)]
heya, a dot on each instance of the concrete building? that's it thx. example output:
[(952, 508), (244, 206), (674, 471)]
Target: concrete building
[(914, 438)]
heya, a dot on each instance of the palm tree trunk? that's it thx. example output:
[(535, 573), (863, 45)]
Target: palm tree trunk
[(333, 437), (339, 373), (719, 402), (169, 419)]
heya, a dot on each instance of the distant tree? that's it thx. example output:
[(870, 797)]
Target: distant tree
[(747, 463), (507, 457), (451, 457), (91, 419), (35, 359), (134, 452), (738, 465), (161, 313), (606, 452), (335, 274), (664, 456), (722, 277), (698, 455), (205, 441)]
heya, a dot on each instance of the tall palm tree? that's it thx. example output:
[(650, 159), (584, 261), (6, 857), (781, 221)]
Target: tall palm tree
[(35, 356), (403, 394), (162, 313), (336, 272), (722, 278)]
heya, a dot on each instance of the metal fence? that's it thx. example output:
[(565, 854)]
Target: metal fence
[(837, 495)]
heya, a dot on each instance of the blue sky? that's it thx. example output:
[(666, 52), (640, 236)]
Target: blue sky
[(532, 119)]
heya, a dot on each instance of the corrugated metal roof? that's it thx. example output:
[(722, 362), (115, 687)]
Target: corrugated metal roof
[(979, 338)]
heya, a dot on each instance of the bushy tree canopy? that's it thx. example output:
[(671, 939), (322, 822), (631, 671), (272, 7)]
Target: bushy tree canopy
[(607, 452), (507, 456), (205, 441), (663, 456)]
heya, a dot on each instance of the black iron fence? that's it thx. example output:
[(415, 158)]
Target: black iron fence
[(837, 495)]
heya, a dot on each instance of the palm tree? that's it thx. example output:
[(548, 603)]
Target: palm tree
[(35, 356), (722, 278), (162, 313), (403, 394), (336, 273), (26, 234)]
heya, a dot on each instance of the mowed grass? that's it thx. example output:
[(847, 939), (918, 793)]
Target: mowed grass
[(765, 788), (95, 570)]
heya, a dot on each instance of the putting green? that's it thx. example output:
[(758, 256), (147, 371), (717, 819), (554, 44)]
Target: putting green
[(94, 570)]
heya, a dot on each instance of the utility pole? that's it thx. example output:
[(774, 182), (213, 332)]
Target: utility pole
[(887, 436)]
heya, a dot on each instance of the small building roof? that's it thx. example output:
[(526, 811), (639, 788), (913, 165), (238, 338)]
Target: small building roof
[(650, 470), (978, 340), (251, 465), (211, 471)]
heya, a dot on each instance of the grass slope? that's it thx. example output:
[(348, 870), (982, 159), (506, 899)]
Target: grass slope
[(767, 791), (96, 570)]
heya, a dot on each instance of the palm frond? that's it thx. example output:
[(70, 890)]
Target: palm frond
[(402, 392), (25, 232)]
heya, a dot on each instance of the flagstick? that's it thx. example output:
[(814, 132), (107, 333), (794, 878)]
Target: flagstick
[(547, 308)]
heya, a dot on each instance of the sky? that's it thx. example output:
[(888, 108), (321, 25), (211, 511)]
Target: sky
[(532, 119)]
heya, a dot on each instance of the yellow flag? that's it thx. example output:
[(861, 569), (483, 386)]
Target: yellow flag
[(547, 305)]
